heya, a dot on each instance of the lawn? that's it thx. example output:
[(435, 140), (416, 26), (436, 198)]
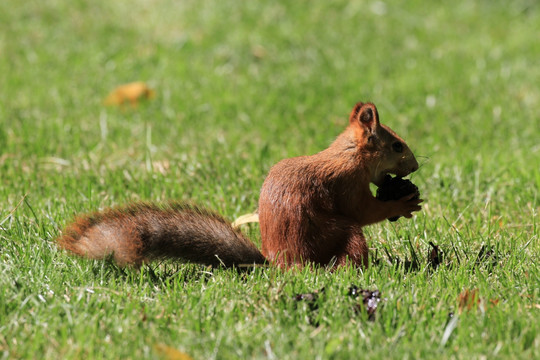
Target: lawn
[(240, 86)]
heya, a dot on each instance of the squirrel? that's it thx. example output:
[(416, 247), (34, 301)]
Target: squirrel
[(311, 210)]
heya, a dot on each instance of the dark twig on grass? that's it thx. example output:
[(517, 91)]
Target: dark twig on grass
[(435, 255), (486, 255)]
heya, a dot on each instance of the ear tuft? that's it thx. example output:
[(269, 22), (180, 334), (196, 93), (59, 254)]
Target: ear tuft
[(355, 111)]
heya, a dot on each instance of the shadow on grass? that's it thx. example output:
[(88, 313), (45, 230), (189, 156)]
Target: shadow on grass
[(487, 257)]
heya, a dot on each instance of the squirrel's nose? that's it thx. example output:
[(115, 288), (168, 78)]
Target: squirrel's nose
[(414, 166)]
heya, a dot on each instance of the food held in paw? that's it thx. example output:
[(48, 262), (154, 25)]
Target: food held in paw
[(395, 188)]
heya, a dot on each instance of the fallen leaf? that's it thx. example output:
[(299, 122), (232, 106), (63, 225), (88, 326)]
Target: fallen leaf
[(129, 93), (171, 353), (245, 219), (258, 51), (471, 300), (468, 299)]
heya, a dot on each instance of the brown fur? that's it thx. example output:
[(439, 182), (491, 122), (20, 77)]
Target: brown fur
[(311, 209), (142, 232)]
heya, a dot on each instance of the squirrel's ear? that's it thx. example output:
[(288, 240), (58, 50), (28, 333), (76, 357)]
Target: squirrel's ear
[(365, 115), (355, 111)]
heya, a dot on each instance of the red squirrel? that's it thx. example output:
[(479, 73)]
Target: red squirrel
[(311, 210)]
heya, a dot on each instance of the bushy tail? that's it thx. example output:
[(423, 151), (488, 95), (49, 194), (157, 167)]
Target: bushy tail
[(141, 232)]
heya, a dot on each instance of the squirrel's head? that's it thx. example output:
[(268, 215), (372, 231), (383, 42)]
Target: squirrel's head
[(384, 150)]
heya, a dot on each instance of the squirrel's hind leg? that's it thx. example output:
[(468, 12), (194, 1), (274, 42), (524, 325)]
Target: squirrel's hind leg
[(355, 249)]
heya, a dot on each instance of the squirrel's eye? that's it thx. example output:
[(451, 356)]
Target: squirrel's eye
[(397, 147)]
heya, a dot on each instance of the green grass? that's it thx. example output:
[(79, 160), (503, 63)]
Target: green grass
[(239, 87)]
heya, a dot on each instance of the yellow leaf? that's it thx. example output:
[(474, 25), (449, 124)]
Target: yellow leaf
[(129, 93), (244, 219), (171, 353)]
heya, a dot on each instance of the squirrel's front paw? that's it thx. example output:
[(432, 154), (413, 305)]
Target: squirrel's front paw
[(406, 206)]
